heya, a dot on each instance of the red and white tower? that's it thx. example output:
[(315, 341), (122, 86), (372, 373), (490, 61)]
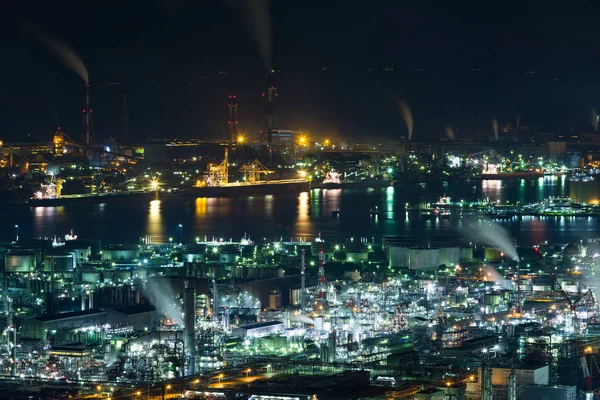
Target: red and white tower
[(322, 280)]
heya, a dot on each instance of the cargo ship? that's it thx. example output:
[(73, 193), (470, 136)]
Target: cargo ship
[(226, 190), (332, 181), (215, 184)]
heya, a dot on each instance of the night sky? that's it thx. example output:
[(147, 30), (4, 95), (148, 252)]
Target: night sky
[(177, 61)]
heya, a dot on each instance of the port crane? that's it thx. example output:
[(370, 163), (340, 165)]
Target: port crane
[(252, 172)]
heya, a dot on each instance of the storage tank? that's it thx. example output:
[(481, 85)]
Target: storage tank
[(398, 256), (61, 260), (20, 260), (449, 255), (90, 277), (493, 254), (319, 321), (424, 258), (81, 250), (194, 254), (466, 254), (120, 253)]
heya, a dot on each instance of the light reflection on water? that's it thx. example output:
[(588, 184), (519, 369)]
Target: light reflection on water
[(293, 216)]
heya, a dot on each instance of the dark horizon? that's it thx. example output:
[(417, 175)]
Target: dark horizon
[(459, 66)]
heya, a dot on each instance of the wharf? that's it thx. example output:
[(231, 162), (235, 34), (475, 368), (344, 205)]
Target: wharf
[(551, 207)]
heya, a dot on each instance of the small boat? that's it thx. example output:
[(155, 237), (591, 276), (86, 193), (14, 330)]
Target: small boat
[(374, 211)]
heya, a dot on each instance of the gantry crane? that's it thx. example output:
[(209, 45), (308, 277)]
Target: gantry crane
[(252, 172)]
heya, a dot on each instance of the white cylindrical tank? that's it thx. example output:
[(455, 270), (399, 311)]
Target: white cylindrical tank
[(449, 255), (424, 258), (20, 260), (398, 256), (466, 254)]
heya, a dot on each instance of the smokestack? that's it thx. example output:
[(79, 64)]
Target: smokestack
[(215, 300), (91, 300), (268, 135), (12, 337), (87, 121), (302, 281), (189, 330), (82, 300)]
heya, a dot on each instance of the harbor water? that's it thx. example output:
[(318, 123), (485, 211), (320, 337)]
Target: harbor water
[(304, 215)]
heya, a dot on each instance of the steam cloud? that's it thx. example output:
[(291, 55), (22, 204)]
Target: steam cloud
[(407, 116), (489, 233), (302, 318), (495, 127), (163, 298), (257, 16), (594, 119), (495, 276), (450, 132), (67, 56)]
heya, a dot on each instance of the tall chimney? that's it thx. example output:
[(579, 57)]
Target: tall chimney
[(189, 330)]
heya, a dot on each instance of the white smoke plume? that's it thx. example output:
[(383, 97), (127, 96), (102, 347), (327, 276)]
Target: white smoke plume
[(302, 318), (162, 297), (495, 128), (492, 275), (66, 56), (407, 116), (594, 119), (487, 232), (257, 16), (450, 132)]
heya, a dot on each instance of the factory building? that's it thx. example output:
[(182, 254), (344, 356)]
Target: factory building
[(39, 327), (525, 376), (275, 299), (138, 317), (554, 392), (258, 330)]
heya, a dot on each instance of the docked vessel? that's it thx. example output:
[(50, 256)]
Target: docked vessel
[(512, 175), (87, 198), (332, 181), (215, 184)]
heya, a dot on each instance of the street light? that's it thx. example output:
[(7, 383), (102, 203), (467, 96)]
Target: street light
[(248, 372), (220, 376), (17, 233)]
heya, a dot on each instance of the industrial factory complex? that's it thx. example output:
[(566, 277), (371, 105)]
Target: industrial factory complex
[(444, 319), (475, 315)]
